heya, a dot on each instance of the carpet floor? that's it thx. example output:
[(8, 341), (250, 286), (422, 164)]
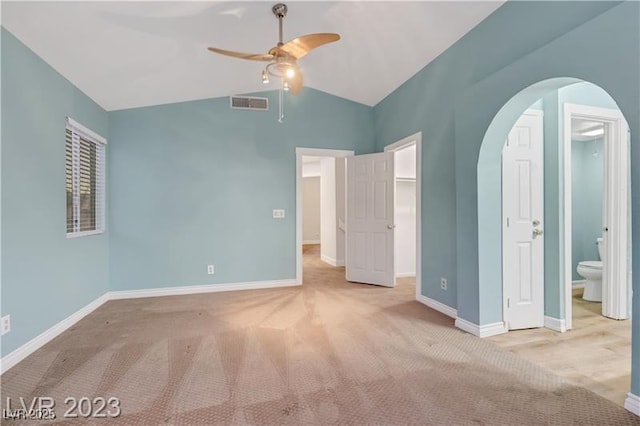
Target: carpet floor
[(329, 352)]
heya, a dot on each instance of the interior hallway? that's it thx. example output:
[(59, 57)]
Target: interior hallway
[(595, 354), (326, 352)]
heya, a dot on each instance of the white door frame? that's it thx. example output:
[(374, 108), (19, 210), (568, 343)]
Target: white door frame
[(416, 139), (534, 113), (615, 121), (313, 152)]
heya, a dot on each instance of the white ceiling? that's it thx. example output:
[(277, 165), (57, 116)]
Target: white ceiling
[(130, 54)]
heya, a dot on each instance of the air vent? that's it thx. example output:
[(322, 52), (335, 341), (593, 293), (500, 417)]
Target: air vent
[(241, 102)]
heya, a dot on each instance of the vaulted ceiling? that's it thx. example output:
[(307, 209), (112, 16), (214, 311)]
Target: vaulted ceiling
[(130, 54)]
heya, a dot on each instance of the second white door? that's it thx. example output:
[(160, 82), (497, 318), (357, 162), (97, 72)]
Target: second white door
[(522, 209), (370, 215)]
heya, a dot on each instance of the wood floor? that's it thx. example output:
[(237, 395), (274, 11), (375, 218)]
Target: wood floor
[(596, 354)]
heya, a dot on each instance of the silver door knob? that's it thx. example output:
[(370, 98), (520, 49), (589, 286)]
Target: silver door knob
[(537, 232), (391, 226)]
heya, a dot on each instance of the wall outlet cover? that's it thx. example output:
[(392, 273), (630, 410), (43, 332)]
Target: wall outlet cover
[(443, 283), (5, 324)]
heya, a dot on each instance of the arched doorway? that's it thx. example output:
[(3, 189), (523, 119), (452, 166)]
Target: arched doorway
[(490, 216)]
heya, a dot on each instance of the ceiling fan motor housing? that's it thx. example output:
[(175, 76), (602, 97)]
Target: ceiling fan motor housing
[(280, 10)]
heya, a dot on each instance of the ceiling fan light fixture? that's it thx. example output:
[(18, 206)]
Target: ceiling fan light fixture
[(291, 72), (285, 85), (265, 77)]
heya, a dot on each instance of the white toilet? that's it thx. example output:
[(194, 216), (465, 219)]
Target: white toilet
[(591, 271)]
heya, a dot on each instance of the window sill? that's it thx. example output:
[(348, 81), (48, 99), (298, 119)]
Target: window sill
[(84, 234)]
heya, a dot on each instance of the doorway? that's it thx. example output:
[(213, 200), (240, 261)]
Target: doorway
[(408, 203), (604, 133), (327, 227)]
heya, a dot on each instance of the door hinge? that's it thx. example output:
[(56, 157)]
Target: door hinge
[(507, 222), (508, 302)]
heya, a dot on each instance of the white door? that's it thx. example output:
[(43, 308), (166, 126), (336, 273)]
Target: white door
[(522, 209), (615, 231), (370, 213)]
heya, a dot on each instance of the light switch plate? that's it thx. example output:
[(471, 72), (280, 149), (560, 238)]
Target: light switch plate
[(210, 270), (278, 213)]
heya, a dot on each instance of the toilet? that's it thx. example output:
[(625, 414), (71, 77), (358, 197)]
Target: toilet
[(591, 271)]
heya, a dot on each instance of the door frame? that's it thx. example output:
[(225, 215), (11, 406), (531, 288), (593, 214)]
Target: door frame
[(313, 152), (538, 114), (416, 139), (615, 121)]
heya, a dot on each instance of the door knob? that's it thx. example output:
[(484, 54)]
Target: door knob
[(391, 226), (537, 232)]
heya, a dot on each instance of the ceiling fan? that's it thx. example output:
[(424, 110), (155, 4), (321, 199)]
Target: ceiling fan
[(283, 58)]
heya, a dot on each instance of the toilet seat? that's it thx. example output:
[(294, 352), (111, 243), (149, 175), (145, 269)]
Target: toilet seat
[(591, 264)]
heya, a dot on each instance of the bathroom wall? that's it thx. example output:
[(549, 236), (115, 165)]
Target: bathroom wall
[(311, 210), (587, 177)]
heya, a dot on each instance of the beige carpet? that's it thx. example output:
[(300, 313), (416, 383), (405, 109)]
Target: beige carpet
[(329, 352)]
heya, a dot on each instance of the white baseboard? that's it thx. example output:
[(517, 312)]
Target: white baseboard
[(405, 274), (11, 359), (555, 324), (578, 283), (310, 242), (37, 342), (485, 330), (331, 261), (438, 306), (196, 289), (632, 403)]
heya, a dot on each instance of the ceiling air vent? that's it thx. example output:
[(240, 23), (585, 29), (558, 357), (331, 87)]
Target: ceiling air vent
[(243, 102)]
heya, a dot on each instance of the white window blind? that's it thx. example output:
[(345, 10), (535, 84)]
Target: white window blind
[(85, 180)]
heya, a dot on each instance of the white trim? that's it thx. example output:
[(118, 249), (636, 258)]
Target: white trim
[(11, 359), (578, 284), (84, 233), (486, 330), (88, 132), (610, 117), (438, 306), (313, 152), (405, 274), (416, 139), (555, 324), (307, 242), (331, 261), (632, 403), (199, 289)]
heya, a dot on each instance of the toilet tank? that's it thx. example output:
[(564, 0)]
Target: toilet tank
[(599, 244)]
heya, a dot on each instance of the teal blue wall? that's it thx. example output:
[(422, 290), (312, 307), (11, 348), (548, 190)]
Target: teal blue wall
[(454, 100), (587, 185), (45, 276), (195, 183)]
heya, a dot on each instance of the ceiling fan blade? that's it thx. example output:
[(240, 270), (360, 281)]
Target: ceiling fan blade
[(299, 47), (295, 82), (249, 56)]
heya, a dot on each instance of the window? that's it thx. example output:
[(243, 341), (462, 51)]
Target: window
[(85, 180)]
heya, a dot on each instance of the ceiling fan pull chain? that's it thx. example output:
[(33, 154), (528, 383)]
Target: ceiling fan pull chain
[(281, 105)]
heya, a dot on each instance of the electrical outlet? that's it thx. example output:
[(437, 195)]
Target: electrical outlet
[(210, 270), (5, 324), (443, 283)]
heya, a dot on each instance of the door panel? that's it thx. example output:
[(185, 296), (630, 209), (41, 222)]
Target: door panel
[(522, 206), (370, 212)]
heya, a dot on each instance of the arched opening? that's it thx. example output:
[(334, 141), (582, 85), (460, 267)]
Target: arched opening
[(544, 254)]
